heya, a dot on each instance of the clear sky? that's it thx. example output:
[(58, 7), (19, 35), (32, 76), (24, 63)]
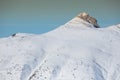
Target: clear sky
[(40, 16)]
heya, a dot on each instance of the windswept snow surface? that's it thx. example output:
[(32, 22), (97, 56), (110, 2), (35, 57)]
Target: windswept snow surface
[(74, 51)]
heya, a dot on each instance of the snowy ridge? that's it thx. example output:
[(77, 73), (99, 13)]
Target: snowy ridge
[(74, 51), (76, 22)]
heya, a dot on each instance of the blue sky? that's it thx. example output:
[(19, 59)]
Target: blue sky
[(40, 16)]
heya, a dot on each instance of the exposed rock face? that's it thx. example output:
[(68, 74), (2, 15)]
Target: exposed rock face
[(88, 18)]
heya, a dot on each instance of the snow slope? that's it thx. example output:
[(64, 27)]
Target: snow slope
[(74, 51)]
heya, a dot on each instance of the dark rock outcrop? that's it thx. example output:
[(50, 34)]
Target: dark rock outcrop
[(86, 17)]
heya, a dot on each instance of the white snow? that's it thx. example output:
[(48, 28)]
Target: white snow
[(74, 51)]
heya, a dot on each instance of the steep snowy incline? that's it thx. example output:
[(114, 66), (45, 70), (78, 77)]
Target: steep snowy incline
[(75, 51), (80, 54)]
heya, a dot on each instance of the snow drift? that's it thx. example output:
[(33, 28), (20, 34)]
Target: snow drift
[(74, 51)]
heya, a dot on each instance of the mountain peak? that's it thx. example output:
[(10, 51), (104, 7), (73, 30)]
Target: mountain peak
[(74, 51), (83, 14), (84, 18)]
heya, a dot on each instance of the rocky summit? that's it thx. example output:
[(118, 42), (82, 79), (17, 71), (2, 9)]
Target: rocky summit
[(86, 17)]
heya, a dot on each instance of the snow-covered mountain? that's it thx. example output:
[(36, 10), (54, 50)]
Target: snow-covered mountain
[(75, 51)]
